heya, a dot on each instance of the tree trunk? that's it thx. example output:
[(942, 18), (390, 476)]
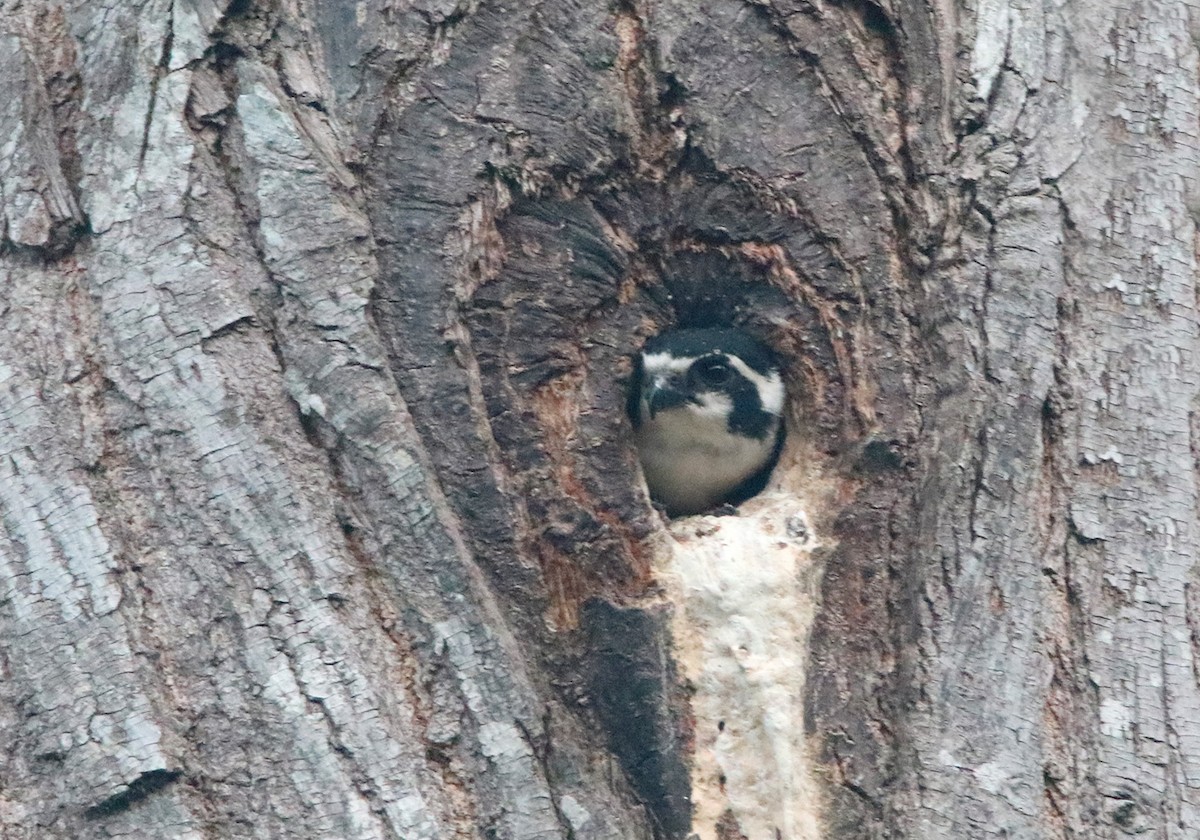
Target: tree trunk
[(320, 513)]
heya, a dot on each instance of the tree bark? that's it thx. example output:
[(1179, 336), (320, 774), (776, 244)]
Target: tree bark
[(320, 513)]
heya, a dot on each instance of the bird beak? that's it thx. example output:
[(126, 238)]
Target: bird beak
[(659, 396), (653, 397)]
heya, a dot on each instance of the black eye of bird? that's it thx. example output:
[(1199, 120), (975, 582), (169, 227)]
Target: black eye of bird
[(712, 371)]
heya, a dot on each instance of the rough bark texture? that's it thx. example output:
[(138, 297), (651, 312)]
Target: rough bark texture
[(319, 512)]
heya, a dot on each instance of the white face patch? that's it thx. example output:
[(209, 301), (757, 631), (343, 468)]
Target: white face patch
[(715, 406), (770, 387), (664, 364)]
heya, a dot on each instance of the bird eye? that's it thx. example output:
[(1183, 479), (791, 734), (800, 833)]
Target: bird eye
[(712, 371)]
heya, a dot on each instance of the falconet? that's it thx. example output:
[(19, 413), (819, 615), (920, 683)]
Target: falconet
[(706, 406)]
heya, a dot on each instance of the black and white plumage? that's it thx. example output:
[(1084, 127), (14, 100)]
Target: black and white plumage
[(706, 406)]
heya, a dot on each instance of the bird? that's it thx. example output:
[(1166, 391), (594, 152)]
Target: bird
[(707, 412)]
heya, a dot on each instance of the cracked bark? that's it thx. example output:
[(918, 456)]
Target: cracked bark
[(320, 517)]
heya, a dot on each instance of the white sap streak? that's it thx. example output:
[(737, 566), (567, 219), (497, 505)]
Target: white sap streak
[(745, 589), (993, 23)]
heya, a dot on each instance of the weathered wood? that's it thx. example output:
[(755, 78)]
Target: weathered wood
[(320, 515)]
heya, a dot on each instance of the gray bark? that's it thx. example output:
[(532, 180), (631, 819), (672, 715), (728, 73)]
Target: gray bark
[(319, 512)]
